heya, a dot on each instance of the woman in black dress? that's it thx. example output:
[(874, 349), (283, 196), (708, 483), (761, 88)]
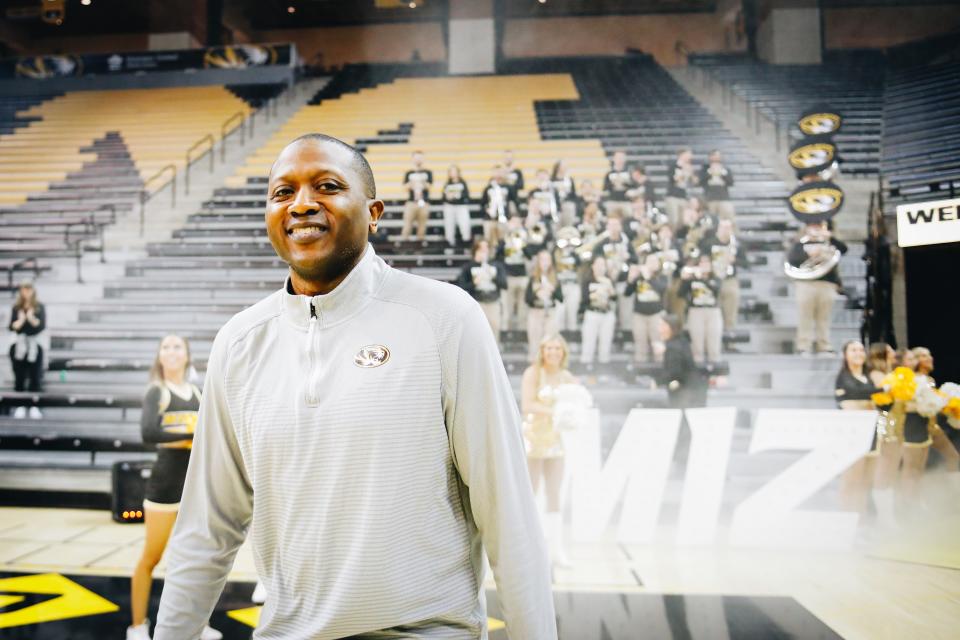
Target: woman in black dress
[(686, 384), (167, 420)]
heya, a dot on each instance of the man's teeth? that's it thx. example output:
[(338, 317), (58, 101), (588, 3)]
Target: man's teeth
[(303, 231)]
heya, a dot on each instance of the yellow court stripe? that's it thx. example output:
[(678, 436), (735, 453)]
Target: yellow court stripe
[(74, 601)]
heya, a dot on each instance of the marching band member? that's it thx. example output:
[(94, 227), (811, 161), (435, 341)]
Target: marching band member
[(588, 195), (513, 253), (680, 177), (484, 280), (616, 248), (566, 259), (815, 297), (514, 175), (641, 192), (541, 435), (545, 197), (417, 182), (717, 179), (456, 213), (543, 297), (700, 287), (722, 248), (616, 184), (646, 286), (495, 203), (598, 303), (566, 191)]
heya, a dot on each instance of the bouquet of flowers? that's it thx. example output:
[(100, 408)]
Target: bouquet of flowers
[(572, 406), (951, 392), (906, 392)]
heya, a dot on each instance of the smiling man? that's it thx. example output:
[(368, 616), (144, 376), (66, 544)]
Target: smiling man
[(362, 419)]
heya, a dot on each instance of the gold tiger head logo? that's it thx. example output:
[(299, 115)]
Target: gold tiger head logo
[(817, 123), (811, 155), (372, 355), (816, 201)]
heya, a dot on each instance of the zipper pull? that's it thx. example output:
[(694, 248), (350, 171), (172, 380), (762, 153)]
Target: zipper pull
[(313, 312)]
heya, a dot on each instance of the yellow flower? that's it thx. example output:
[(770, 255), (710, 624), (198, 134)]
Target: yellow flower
[(952, 408), (882, 398), (901, 384)]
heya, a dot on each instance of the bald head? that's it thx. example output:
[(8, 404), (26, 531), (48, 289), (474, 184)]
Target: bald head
[(357, 161)]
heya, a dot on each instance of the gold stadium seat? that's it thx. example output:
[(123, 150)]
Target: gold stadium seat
[(157, 126), (467, 121)]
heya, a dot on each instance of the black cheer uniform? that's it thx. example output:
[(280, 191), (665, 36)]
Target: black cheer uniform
[(850, 387), (176, 422)]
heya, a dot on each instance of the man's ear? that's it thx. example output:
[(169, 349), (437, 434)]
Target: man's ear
[(375, 207)]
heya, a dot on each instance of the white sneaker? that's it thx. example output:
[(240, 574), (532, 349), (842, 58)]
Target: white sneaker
[(139, 632), (209, 633), (20, 413), (35, 413), (259, 593)]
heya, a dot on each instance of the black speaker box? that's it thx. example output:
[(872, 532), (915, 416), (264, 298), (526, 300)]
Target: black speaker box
[(129, 483)]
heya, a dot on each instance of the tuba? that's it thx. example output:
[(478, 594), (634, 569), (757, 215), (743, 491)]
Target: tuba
[(814, 267)]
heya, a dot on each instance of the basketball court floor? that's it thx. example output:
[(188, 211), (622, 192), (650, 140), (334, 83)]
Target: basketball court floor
[(65, 574)]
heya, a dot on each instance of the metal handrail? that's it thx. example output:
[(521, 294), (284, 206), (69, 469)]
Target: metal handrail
[(208, 138), (238, 117), (145, 195)]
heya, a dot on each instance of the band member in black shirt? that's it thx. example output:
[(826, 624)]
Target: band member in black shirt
[(642, 190), (566, 190), (725, 256), (543, 297), (680, 177), (485, 279), (417, 182), (566, 260), (616, 248), (496, 202), (456, 211), (514, 175), (598, 299), (701, 289), (815, 298), (686, 385), (716, 179), (514, 252), (616, 184), (545, 197), (645, 288)]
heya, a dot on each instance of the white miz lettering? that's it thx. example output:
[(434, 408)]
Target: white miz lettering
[(769, 517), (639, 462), (712, 433)]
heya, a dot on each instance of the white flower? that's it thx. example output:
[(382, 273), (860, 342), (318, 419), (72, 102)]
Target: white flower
[(951, 389), (572, 406), (928, 402)]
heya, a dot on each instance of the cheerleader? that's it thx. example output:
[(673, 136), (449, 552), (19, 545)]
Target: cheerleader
[(939, 440), (542, 438), (852, 390), (168, 419), (880, 361), (916, 440), (484, 279), (543, 297), (456, 213), (598, 303)]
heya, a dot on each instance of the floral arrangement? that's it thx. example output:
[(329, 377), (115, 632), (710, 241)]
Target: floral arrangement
[(572, 407), (902, 385), (951, 391)]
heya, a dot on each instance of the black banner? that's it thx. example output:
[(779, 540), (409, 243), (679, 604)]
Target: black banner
[(240, 56)]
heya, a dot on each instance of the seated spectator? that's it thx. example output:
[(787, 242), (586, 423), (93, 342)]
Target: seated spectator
[(28, 319)]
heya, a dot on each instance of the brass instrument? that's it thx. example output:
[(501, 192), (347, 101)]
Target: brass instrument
[(814, 267), (589, 244), (537, 233)]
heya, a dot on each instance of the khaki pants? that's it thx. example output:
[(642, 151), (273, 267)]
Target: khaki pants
[(624, 308), (646, 333), (493, 232), (597, 328), (540, 323), (674, 209), (492, 311), (723, 209), (568, 213), (614, 206), (815, 306), (515, 307), (456, 215), (729, 302), (571, 305), (705, 325), (673, 301), (415, 212)]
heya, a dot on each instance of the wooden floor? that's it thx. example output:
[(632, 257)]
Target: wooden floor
[(857, 595)]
